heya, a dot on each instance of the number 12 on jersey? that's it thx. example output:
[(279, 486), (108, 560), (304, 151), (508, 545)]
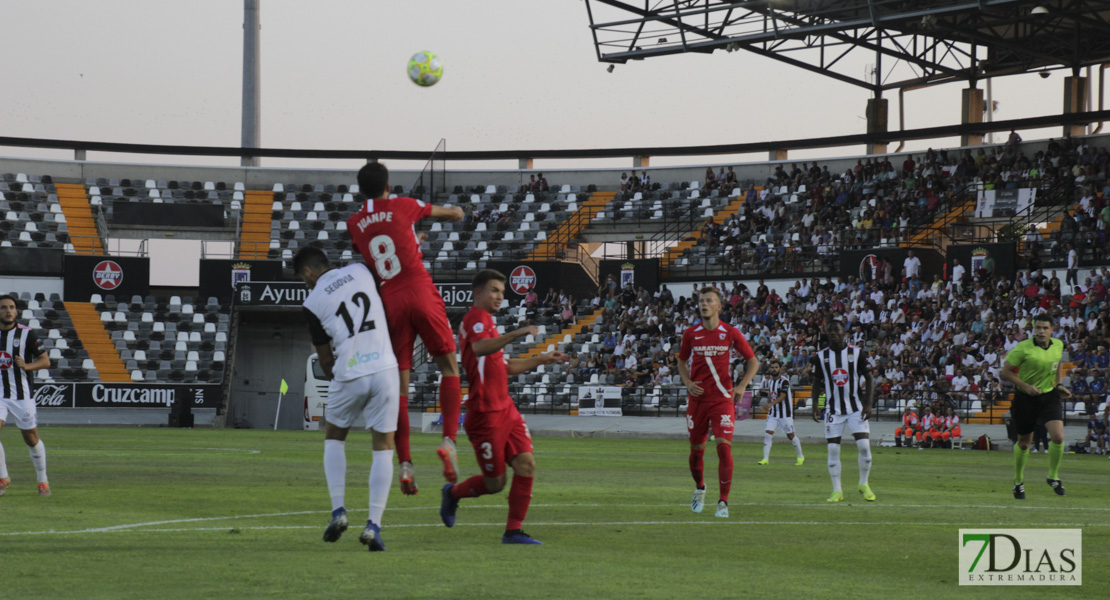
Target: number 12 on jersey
[(361, 300)]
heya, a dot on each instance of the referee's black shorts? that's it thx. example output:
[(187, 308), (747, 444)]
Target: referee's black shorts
[(1028, 410)]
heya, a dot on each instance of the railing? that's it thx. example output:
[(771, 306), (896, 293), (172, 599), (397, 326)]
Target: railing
[(671, 402), (113, 246)]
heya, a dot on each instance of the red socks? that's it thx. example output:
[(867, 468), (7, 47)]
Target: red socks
[(724, 469), (450, 403), (520, 495), (401, 437), (474, 487), (697, 466)]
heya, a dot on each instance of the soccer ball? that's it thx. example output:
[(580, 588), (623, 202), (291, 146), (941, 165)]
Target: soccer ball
[(425, 69)]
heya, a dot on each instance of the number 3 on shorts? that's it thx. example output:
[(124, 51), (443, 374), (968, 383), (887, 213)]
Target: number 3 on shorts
[(487, 450), (384, 252)]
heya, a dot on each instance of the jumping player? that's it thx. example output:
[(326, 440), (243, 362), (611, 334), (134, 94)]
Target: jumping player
[(383, 231), (493, 423), (704, 367), (344, 313), (780, 414), (20, 354)]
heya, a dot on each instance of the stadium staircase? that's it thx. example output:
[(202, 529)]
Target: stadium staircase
[(97, 342), (959, 212), (83, 234), (254, 239), (581, 325), (568, 231), (694, 237)]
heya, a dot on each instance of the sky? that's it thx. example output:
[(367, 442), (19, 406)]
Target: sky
[(517, 75)]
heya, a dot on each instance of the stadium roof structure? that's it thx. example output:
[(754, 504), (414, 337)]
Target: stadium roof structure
[(905, 44)]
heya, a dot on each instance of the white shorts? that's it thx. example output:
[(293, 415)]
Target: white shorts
[(376, 396), (22, 413), (784, 424), (834, 424)]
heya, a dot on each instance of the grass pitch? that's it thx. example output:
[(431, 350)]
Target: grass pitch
[(157, 513)]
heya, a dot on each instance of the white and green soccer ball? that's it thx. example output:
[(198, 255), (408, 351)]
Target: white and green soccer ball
[(425, 69)]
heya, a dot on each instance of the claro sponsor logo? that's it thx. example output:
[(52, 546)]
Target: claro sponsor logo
[(359, 359), (133, 395), (52, 395)]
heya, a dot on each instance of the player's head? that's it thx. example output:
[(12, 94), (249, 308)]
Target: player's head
[(309, 264), (709, 302), (489, 290), (8, 309), (373, 179), (835, 331), (776, 367), (1042, 328)]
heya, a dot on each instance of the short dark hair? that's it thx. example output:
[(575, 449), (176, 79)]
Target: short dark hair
[(11, 297), (487, 275), (311, 257), (837, 325), (712, 290), (373, 179), (1045, 318)]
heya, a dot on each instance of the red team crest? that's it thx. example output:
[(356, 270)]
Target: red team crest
[(107, 275), (840, 377), (5, 360), (522, 279)]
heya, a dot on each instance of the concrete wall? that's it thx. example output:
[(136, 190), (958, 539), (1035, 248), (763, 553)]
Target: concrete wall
[(33, 285)]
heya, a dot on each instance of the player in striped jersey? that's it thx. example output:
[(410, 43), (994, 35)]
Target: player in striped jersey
[(837, 370), (20, 354), (780, 413), (704, 368)]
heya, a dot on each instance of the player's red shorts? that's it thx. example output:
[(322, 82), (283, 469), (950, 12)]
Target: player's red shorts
[(497, 438), (701, 415), (416, 311)]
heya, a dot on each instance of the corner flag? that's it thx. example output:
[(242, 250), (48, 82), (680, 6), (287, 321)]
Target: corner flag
[(284, 387)]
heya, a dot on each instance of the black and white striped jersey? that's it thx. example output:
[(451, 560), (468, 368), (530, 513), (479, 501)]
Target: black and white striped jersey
[(15, 383), (841, 371), (784, 409)]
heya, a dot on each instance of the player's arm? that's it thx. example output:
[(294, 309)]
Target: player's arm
[(487, 346), (1009, 372), (326, 359), (322, 342), (447, 213), (684, 372), (817, 385), (778, 398), (41, 361), (751, 367), (869, 389), (520, 365), (1065, 392)]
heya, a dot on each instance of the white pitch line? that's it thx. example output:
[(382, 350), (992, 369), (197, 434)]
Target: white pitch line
[(147, 524), (575, 524)]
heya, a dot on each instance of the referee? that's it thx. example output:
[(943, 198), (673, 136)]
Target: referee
[(1033, 366)]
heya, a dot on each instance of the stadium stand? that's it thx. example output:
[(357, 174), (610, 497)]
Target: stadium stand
[(796, 221)]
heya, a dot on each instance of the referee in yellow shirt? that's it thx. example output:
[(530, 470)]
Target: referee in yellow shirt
[(1034, 367)]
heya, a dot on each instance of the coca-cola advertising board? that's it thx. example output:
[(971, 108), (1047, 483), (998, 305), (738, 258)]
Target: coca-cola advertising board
[(127, 395)]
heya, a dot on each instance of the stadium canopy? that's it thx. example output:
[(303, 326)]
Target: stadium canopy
[(904, 44)]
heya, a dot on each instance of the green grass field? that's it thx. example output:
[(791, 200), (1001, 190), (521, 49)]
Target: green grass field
[(157, 513)]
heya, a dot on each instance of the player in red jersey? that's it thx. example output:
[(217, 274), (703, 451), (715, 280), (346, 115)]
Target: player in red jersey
[(385, 235), (704, 367), (493, 423)]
